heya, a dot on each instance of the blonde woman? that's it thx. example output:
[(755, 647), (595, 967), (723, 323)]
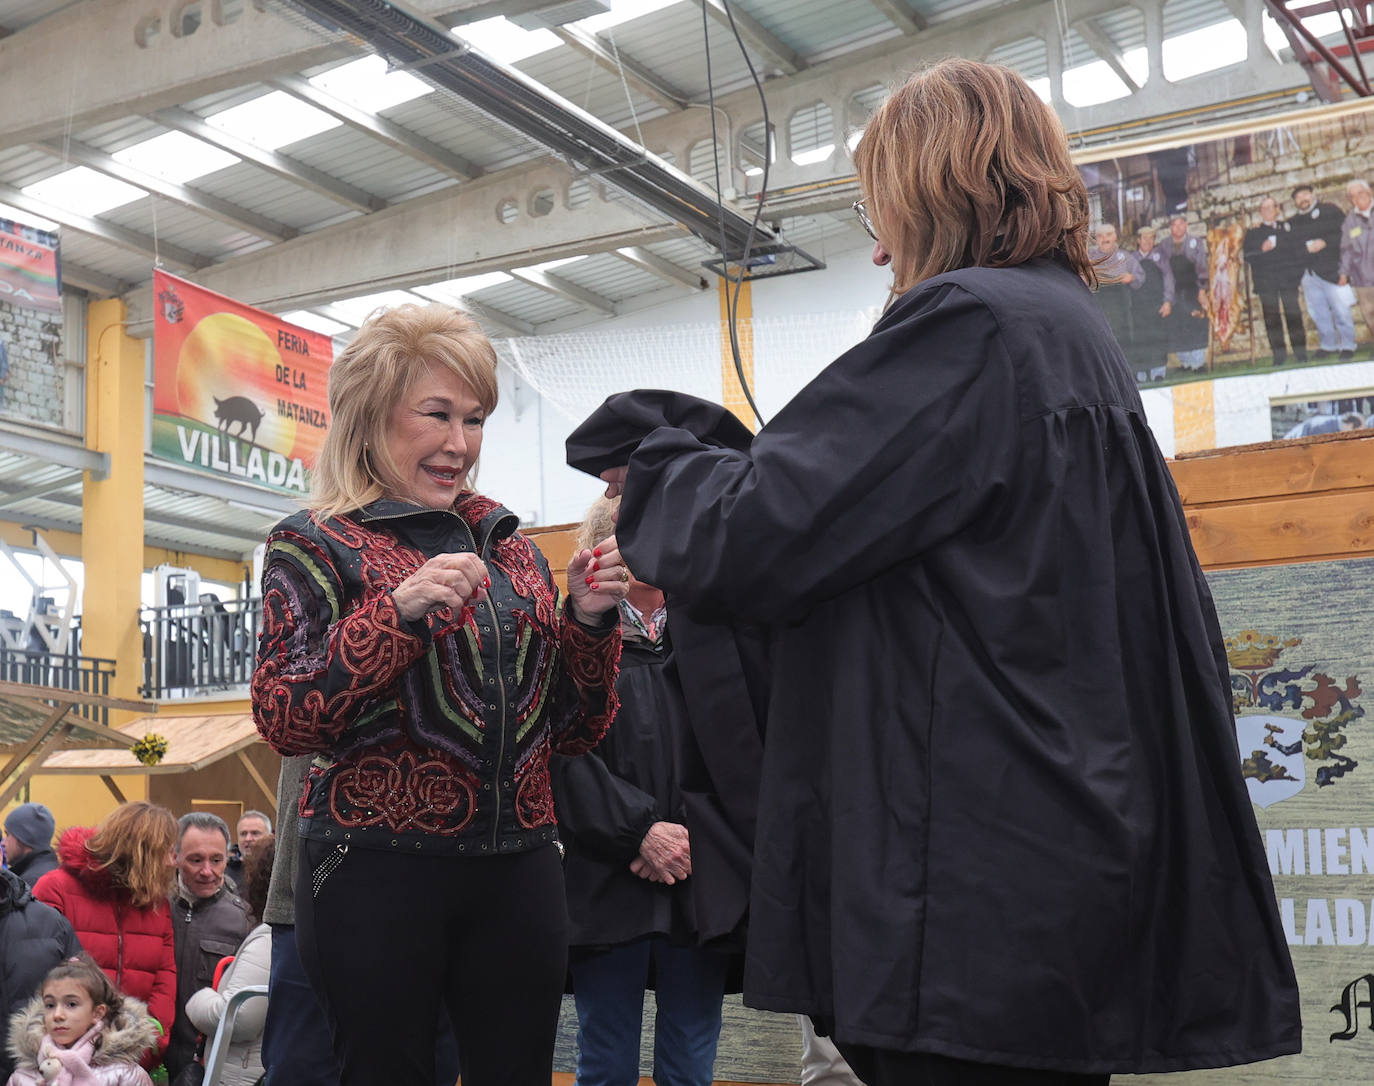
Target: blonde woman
[(113, 884), (416, 644), (1002, 836)]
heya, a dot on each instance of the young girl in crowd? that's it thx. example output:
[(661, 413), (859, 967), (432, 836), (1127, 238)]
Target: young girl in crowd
[(79, 1031)]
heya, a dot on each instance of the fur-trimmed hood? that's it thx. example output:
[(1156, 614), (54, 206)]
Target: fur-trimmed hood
[(76, 858), (125, 1038)]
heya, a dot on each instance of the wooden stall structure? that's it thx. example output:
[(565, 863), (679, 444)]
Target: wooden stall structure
[(36, 721), (1306, 500), (202, 766)]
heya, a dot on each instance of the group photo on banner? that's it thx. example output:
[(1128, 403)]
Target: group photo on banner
[(237, 391), (1239, 254)]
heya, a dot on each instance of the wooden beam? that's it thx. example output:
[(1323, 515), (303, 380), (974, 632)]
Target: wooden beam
[(270, 793), (34, 741), (109, 782), (32, 693)]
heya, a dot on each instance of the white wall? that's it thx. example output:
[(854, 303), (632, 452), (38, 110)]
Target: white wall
[(523, 457)]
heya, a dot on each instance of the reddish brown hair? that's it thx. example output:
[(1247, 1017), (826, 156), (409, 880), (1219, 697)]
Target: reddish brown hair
[(963, 166)]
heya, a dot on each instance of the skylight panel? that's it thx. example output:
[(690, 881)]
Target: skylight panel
[(357, 310), (368, 84), (1322, 26), (315, 322), (176, 157), (84, 191), (1092, 84), (1217, 46), (273, 121), (622, 11), (452, 289), (502, 40), (812, 156), (27, 218)]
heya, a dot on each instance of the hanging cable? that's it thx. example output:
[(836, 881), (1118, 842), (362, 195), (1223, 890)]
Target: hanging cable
[(732, 299)]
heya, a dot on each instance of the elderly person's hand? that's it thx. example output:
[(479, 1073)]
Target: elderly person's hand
[(446, 580), (597, 579), (665, 854)]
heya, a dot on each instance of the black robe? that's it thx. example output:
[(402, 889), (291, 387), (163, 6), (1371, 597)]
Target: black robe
[(1002, 815)]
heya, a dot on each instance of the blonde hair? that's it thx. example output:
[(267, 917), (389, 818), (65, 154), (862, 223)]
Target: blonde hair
[(132, 844), (368, 379), (597, 524), (964, 166)]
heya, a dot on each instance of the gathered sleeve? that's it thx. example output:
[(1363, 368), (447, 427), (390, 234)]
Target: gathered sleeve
[(584, 699), (322, 660), (894, 447), (607, 814)]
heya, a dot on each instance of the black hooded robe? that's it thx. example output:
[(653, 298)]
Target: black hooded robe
[(1001, 817)]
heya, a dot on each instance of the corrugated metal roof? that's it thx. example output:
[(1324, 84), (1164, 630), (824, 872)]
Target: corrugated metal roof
[(527, 302), (611, 277)]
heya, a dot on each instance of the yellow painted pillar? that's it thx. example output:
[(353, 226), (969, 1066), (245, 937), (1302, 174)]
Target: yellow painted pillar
[(732, 394), (112, 508)]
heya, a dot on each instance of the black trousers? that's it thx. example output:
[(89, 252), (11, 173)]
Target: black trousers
[(389, 939), (885, 1067), (1281, 307)]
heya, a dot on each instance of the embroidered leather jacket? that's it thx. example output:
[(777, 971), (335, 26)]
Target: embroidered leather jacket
[(432, 736)]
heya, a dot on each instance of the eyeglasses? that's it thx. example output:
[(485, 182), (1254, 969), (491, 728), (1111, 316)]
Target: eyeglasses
[(867, 223)]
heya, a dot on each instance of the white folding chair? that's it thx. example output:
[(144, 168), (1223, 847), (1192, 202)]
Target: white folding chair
[(224, 1031)]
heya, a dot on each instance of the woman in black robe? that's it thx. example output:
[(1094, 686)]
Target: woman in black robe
[(1002, 831), (623, 815)]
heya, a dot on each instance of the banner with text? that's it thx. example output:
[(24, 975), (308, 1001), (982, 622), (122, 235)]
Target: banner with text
[(237, 392), (1301, 650), (29, 274)]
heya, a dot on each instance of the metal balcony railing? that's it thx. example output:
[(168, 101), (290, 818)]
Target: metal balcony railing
[(69, 671), (199, 648)]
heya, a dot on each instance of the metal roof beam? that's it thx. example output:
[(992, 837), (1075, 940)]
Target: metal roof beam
[(93, 282), (171, 520), (900, 15), (63, 482), (299, 173), (240, 218), (555, 284), (122, 237), (654, 264), (618, 63), (489, 314), (389, 132), (169, 476), (1106, 49), (27, 443), (771, 48)]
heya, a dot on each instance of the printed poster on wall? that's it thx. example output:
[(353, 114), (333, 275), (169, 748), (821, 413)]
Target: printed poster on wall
[(1300, 643), (237, 392), (29, 270)]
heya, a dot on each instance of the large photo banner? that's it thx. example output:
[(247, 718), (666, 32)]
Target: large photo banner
[(29, 275), (1247, 253), (1300, 644), (237, 392)]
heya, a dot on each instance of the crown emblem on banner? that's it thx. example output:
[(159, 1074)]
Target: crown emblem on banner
[(173, 309), (1251, 650)]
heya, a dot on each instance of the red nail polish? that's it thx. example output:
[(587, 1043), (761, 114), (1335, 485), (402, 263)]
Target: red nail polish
[(486, 582), (596, 553), (591, 582), (593, 565)]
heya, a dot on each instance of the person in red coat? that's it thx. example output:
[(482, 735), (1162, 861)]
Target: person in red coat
[(112, 886)]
